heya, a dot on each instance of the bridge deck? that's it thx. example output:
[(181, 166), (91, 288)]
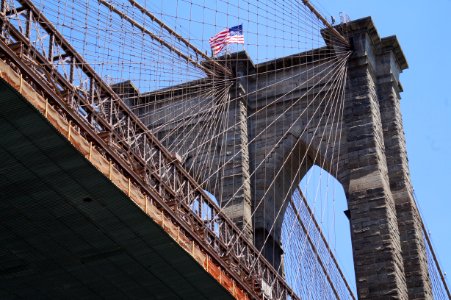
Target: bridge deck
[(67, 232)]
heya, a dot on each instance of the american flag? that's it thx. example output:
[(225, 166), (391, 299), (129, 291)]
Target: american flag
[(232, 35)]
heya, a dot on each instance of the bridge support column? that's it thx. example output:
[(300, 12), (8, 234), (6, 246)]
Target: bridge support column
[(235, 193), (374, 229), (409, 223)]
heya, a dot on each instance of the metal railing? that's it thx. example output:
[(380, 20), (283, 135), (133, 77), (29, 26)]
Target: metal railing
[(59, 73)]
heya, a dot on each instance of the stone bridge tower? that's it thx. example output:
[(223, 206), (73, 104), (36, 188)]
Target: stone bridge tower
[(388, 249)]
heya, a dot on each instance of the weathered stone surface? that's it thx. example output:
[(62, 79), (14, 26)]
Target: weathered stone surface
[(408, 218), (282, 130)]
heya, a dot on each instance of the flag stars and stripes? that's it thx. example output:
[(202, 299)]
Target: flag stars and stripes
[(232, 35)]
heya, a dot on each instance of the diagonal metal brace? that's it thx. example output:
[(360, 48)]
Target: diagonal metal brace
[(180, 38), (158, 39)]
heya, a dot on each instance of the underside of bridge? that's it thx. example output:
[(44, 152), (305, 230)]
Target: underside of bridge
[(99, 202), (67, 232)]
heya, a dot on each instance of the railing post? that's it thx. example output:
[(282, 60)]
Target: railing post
[(57, 87), (28, 24), (51, 45), (3, 7), (72, 70)]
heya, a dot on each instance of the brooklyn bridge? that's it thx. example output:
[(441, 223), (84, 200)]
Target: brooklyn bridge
[(136, 163)]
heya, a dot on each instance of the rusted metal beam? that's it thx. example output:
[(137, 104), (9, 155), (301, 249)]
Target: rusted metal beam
[(76, 119), (17, 11), (179, 37), (28, 24), (325, 22), (156, 38), (55, 86)]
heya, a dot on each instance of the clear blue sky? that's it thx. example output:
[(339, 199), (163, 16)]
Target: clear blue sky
[(423, 31)]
